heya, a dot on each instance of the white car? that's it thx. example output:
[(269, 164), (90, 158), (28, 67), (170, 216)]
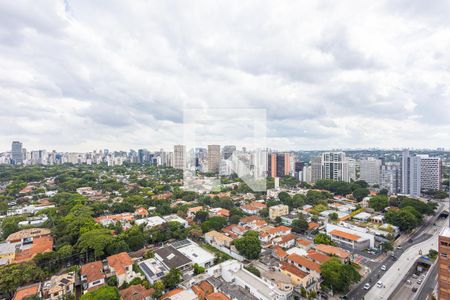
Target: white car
[(419, 281), (383, 268), (367, 286), (379, 284)]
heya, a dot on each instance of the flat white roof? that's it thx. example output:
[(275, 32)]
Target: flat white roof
[(197, 254), (445, 232)]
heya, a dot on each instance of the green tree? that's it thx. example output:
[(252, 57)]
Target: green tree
[(379, 202), (214, 223), (360, 193), (322, 238), (333, 216), (16, 275), (253, 270), (201, 216), (198, 269), (96, 240), (172, 279), (338, 276), (300, 225), (249, 245)]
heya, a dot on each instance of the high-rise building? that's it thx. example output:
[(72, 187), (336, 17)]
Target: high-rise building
[(179, 157), (369, 170), (335, 166), (213, 158), (430, 172), (444, 264), (420, 173), (390, 177), (316, 168), (228, 151), (16, 153), (279, 164)]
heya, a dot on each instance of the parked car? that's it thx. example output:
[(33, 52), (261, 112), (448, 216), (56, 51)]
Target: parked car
[(414, 276), (419, 281), (379, 284), (383, 268), (367, 286)]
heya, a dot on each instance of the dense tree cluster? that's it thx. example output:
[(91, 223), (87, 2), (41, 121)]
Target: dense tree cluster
[(338, 276)]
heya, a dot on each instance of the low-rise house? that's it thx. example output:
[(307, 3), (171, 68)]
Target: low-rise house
[(193, 210), (59, 286), (195, 253), (107, 220), (8, 252), (153, 269), (28, 291), (285, 241), (334, 251), (303, 263), (92, 275), (317, 257), (270, 232), (219, 212), (136, 292), (151, 221), (253, 222), (253, 208), (354, 237), (279, 253), (176, 218), (173, 259), (278, 211), (27, 252), (180, 294), (304, 244), (26, 236), (298, 277), (121, 266), (141, 212), (217, 238)]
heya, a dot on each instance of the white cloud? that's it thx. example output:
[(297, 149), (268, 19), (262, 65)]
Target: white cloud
[(78, 75)]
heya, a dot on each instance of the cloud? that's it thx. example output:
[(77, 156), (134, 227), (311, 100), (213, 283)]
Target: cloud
[(79, 75)]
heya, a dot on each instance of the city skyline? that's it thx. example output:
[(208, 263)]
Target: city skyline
[(328, 75)]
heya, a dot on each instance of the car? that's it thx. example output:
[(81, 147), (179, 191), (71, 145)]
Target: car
[(414, 276), (408, 282), (367, 286), (419, 281), (399, 247), (383, 268), (379, 284), (394, 258)]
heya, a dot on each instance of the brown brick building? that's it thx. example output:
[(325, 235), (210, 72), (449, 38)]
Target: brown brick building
[(444, 264)]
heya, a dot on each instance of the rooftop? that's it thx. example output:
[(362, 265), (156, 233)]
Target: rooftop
[(93, 271), (28, 233), (119, 261), (345, 235), (171, 257), (293, 270), (445, 232), (26, 291), (136, 292)]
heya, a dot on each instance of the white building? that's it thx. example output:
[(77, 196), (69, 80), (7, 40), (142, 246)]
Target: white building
[(369, 170), (335, 166)]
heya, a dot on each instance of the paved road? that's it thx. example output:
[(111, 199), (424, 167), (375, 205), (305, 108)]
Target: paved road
[(421, 234), (429, 284), (399, 269)]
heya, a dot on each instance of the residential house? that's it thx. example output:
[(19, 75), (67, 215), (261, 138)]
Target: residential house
[(278, 211), (28, 291), (136, 292), (253, 208), (334, 251), (217, 238), (59, 286), (92, 275), (121, 266)]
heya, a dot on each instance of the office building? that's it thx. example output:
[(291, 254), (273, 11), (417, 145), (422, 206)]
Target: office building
[(369, 170), (316, 168), (213, 158), (335, 166), (179, 157), (16, 153), (430, 172)]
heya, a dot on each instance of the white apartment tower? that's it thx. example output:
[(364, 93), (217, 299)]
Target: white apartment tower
[(335, 166)]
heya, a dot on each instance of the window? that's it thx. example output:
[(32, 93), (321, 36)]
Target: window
[(444, 254)]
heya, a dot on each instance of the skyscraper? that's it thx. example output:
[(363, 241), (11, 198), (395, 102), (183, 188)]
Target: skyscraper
[(316, 168), (335, 166), (369, 170), (420, 173), (390, 177), (213, 158), (179, 157), (16, 153)]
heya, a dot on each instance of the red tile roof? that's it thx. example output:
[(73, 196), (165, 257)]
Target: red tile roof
[(304, 242), (345, 235), (318, 257), (302, 261), (119, 262), (136, 292), (171, 293), (279, 252), (41, 244), (332, 250), (293, 270), (93, 271), (26, 291), (217, 296)]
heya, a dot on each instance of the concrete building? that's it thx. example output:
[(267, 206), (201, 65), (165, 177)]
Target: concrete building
[(444, 264), (350, 237), (279, 164), (278, 211), (213, 158), (430, 172), (390, 177), (335, 166), (179, 157), (16, 153), (316, 168), (228, 151), (369, 170)]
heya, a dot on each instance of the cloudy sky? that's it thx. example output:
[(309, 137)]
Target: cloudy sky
[(79, 75)]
